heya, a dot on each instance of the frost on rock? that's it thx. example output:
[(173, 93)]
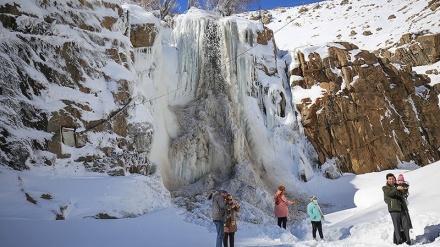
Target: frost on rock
[(64, 72)]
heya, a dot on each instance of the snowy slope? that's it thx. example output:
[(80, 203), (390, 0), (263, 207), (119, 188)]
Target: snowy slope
[(371, 25), (331, 21), (364, 221)]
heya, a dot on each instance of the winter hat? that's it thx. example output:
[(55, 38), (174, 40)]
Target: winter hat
[(400, 178), (223, 191), (281, 188), (313, 198)]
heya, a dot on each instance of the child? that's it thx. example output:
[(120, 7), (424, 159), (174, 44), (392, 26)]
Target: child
[(405, 193), (316, 216), (401, 182)]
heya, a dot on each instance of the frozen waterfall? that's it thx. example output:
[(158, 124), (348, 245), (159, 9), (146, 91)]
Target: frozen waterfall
[(233, 117)]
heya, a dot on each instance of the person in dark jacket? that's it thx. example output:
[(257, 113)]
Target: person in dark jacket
[(219, 207), (394, 197)]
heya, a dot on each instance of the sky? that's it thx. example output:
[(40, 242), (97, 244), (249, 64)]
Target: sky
[(353, 204), (265, 4)]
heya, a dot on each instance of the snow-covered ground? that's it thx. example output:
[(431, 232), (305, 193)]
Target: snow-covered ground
[(364, 221)]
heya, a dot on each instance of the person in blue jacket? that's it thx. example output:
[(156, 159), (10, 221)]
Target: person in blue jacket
[(316, 216)]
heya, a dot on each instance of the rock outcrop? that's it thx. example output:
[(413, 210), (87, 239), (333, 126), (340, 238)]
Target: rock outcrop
[(373, 114), (54, 70), (416, 50)]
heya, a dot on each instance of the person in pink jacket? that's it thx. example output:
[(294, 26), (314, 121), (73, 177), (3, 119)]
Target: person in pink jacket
[(281, 209)]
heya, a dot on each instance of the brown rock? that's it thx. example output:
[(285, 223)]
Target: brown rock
[(378, 120), (143, 35), (422, 49), (265, 36), (266, 19)]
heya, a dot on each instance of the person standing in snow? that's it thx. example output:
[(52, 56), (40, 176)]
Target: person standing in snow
[(281, 209), (218, 210), (394, 197), (231, 222), (315, 214)]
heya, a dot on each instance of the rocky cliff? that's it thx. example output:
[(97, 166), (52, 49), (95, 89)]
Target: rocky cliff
[(375, 112), (91, 84), (106, 87), (67, 79)]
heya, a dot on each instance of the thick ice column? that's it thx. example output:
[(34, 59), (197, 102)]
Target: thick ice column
[(202, 108), (233, 109)]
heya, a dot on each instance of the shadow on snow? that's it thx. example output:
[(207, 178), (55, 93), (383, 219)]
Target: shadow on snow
[(429, 235)]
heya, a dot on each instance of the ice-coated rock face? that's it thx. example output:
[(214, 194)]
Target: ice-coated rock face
[(203, 145), (69, 88), (205, 104), (235, 111)]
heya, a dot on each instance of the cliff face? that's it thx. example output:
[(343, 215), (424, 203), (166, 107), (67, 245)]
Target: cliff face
[(374, 113), (67, 78), (100, 86), (92, 84)]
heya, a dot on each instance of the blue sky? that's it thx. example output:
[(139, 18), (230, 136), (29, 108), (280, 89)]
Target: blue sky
[(265, 4), (271, 4)]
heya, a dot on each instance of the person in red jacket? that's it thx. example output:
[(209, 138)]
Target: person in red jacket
[(281, 209)]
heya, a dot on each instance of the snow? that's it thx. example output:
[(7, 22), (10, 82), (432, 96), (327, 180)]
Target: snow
[(314, 93), (435, 78), (138, 15), (353, 206), (333, 21)]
